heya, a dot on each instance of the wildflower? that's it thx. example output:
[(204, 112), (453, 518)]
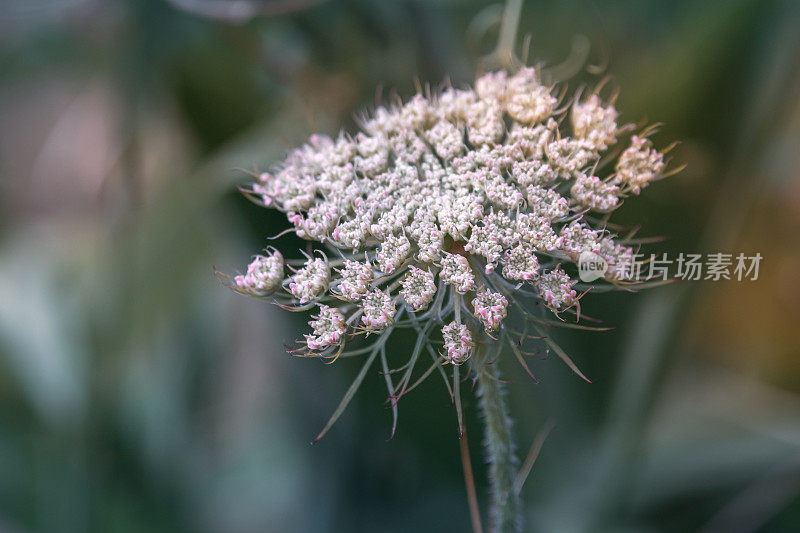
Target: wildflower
[(329, 328), (556, 290), (490, 308), (355, 280), (418, 288), (454, 184), (595, 123), (264, 275), (491, 189), (457, 272), (378, 310), (458, 343), (639, 165), (451, 182), (311, 281)]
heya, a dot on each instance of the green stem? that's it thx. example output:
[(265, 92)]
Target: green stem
[(504, 512)]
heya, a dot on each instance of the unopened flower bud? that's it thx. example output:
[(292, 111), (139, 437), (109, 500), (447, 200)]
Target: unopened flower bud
[(378, 309), (329, 329), (264, 275), (355, 280), (639, 164), (311, 281), (458, 344), (490, 308), (418, 288), (556, 290), (457, 272)]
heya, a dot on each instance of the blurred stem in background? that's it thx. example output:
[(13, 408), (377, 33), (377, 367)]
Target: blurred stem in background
[(504, 55)]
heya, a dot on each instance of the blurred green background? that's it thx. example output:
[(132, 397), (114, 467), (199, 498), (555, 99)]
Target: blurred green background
[(138, 394)]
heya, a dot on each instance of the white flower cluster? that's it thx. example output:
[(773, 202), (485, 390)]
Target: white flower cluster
[(639, 164), (418, 289), (378, 309), (311, 281), (329, 328), (355, 280), (458, 343), (457, 273), (484, 188), (264, 275), (556, 290), (490, 308)]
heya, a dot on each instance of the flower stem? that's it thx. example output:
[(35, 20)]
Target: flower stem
[(469, 480), (504, 512)]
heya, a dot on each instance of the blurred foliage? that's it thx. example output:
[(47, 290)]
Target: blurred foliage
[(136, 394)]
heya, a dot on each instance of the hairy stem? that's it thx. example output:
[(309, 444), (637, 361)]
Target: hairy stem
[(504, 512)]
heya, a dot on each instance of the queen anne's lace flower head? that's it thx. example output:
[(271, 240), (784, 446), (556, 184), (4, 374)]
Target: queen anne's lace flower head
[(452, 209)]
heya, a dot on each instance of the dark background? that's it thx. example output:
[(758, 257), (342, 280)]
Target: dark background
[(138, 394)]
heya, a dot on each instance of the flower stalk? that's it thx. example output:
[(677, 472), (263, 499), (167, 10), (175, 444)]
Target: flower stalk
[(505, 511)]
